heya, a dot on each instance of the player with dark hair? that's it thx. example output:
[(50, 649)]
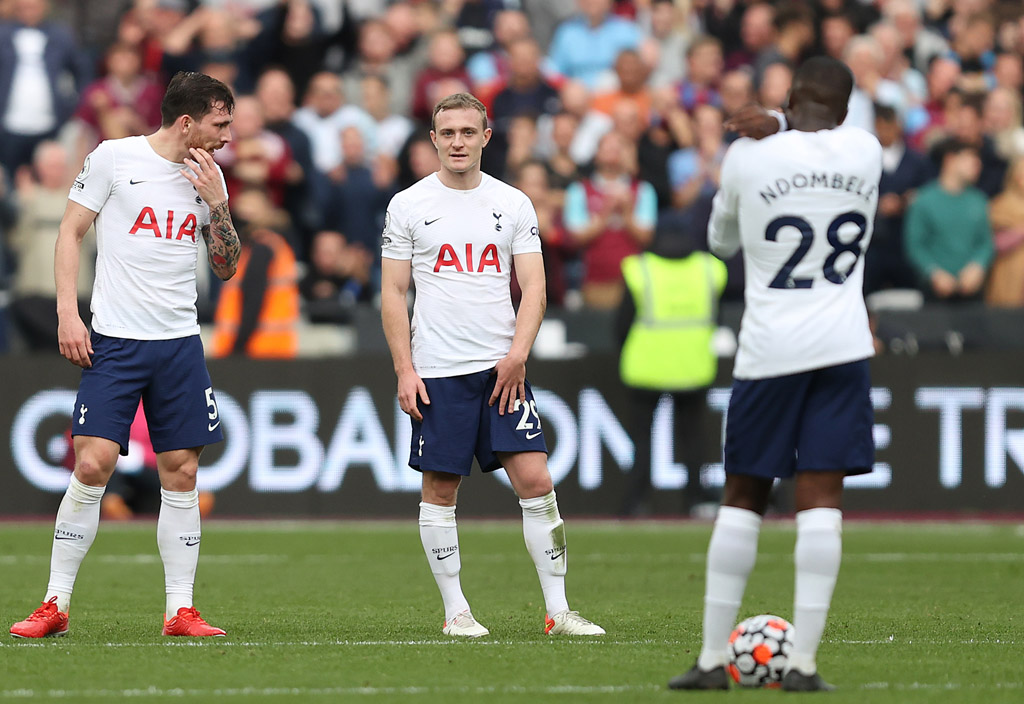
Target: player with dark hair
[(801, 204), (461, 363), (150, 196)]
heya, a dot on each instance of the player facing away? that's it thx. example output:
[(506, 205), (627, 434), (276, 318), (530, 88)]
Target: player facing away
[(801, 204), (150, 197), (461, 363)]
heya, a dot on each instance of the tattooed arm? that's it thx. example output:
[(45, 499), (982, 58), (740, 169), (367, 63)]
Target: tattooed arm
[(221, 239), (222, 243)]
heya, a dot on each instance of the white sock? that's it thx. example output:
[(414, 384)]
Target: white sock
[(731, 557), (440, 537), (544, 532), (819, 550), (177, 535), (78, 519)]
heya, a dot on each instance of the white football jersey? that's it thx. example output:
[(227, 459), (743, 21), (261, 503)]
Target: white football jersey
[(148, 226), (461, 244), (802, 206)]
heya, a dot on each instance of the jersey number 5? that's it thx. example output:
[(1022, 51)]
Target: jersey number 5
[(784, 279)]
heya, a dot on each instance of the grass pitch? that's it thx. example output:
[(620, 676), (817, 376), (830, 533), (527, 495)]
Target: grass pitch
[(349, 612)]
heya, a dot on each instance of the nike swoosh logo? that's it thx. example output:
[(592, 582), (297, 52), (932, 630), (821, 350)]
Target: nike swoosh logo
[(558, 555), (431, 222), (63, 537), (439, 557), (531, 437), (133, 182), (213, 426), (192, 545)]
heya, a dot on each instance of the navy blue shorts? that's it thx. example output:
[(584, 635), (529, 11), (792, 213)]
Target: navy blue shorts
[(458, 425), (816, 420), (171, 378)]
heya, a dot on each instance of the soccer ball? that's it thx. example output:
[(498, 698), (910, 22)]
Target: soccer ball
[(758, 650)]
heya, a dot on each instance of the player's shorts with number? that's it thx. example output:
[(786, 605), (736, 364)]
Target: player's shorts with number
[(170, 377), (459, 425), (816, 420)]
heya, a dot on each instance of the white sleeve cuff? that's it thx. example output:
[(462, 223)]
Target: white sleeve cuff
[(781, 118)]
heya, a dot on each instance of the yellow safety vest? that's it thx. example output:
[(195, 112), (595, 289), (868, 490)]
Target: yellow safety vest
[(669, 345)]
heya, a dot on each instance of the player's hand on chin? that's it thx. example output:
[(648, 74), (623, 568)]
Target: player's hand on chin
[(73, 338), (411, 386), (753, 121), (202, 172), (510, 385)]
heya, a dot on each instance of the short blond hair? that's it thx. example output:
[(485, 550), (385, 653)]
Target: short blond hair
[(459, 101)]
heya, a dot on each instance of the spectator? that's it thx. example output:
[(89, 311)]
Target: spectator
[(737, 90), (532, 179), (359, 194), (864, 57), (377, 57), (445, 59), (526, 91), (417, 160), (1002, 117), (973, 46), (42, 193), (903, 172), (1008, 71), (610, 216), (896, 68), (632, 79), (942, 77), (302, 198), (591, 124), (794, 35), (41, 72), (585, 46), (837, 29), (1006, 284), (562, 168), (324, 115), (948, 236), (776, 81), (704, 66), (392, 130), (969, 126), (124, 102), (757, 33), (694, 172), (670, 129), (666, 43), (290, 37), (256, 157), (919, 43), (338, 276), (487, 69), (210, 34), (522, 145), (258, 311)]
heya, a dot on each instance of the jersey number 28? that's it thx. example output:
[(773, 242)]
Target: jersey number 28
[(784, 279)]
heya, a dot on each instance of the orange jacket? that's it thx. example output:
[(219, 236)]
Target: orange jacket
[(276, 335)]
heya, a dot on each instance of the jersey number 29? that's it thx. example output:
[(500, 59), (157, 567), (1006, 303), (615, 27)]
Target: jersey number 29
[(784, 279)]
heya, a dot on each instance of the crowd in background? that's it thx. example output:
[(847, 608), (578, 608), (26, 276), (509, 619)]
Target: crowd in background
[(608, 115)]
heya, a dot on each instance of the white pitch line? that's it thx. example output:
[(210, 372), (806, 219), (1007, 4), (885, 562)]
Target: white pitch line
[(316, 691), (62, 643)]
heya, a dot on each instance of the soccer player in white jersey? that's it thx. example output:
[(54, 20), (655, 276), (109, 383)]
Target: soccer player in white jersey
[(800, 204), (150, 196), (461, 364)]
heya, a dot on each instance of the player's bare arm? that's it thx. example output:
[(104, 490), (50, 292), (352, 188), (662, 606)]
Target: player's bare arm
[(222, 242), (396, 275), (510, 385), (72, 334), (753, 121)]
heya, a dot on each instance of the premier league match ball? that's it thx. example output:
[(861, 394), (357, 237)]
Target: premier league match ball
[(758, 650)]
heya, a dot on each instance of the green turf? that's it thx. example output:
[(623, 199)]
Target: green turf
[(349, 612)]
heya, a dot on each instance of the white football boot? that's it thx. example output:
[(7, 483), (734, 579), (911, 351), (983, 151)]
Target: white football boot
[(464, 625), (570, 623)]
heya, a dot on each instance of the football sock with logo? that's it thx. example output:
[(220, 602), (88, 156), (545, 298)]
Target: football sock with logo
[(178, 536), (819, 550), (78, 519), (544, 532), (731, 556), (440, 537)]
